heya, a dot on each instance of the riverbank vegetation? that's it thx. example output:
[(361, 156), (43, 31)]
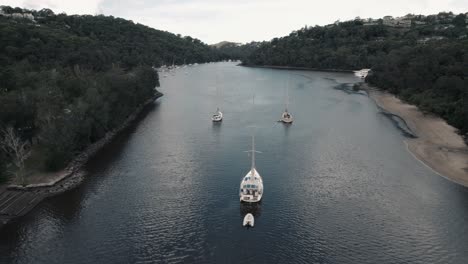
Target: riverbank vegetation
[(68, 80), (422, 59)]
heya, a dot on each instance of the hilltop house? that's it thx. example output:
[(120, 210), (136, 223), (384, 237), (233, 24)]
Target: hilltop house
[(27, 16), (401, 22)]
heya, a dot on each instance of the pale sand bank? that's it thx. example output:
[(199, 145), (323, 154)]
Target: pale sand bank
[(438, 145)]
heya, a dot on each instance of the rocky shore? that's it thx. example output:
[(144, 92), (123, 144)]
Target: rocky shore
[(16, 200)]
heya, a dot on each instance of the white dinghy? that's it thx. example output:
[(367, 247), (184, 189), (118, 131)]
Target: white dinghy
[(249, 220)]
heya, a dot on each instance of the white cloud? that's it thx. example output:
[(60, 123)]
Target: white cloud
[(242, 20), (216, 20)]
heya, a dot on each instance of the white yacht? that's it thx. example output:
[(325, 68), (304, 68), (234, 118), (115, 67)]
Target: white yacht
[(286, 117), (251, 186)]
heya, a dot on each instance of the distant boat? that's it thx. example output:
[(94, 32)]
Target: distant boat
[(218, 116), (286, 117), (251, 186), (249, 220), (362, 73)]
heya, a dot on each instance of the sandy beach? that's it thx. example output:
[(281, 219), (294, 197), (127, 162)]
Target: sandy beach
[(438, 145)]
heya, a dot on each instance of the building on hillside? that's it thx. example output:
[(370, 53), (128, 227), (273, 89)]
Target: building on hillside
[(17, 15), (400, 22), (370, 22), (27, 16), (403, 23), (388, 20)]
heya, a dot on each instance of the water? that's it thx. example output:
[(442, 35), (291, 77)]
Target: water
[(340, 186)]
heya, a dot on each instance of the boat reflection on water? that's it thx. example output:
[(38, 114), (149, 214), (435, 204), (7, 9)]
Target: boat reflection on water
[(253, 208)]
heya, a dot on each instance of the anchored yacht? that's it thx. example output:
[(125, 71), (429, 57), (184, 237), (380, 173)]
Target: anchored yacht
[(251, 186)]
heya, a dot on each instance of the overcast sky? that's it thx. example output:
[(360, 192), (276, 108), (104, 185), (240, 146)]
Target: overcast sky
[(213, 21)]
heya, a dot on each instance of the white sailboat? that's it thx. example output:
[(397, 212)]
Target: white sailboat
[(286, 117), (251, 186)]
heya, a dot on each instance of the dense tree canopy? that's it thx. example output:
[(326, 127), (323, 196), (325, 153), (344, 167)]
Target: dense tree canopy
[(425, 63), (65, 81)]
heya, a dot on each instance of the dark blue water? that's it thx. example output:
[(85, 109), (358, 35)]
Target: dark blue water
[(340, 186)]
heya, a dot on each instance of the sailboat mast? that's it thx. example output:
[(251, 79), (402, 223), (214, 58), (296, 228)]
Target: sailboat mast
[(287, 93), (253, 153), (217, 92)]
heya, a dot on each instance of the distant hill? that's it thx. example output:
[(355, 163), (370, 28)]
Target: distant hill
[(422, 59), (223, 44), (234, 50)]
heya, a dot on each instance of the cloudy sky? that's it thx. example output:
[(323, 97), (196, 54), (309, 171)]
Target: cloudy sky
[(213, 21)]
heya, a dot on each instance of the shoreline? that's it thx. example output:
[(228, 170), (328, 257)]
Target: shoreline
[(295, 68), (433, 142), (436, 144), (16, 200)]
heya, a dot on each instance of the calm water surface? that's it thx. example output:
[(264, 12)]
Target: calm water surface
[(340, 186)]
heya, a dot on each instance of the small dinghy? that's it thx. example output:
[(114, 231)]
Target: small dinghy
[(249, 220)]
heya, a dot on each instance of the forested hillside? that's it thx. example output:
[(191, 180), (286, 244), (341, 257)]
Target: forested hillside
[(67, 80), (422, 59), (236, 51)]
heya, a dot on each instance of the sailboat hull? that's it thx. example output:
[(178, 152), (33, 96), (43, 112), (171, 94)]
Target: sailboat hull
[(251, 188), (286, 118), (218, 117)]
